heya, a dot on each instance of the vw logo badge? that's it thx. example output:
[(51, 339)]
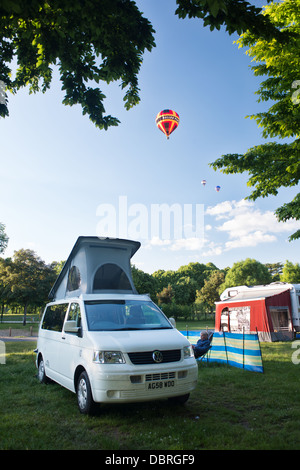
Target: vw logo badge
[(157, 356)]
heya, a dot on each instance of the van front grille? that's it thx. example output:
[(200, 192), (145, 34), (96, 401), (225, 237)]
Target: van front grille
[(146, 357), (162, 376)]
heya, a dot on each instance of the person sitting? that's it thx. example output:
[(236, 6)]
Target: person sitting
[(202, 346)]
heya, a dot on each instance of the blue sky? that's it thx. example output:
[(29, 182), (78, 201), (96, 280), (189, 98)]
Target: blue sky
[(57, 169)]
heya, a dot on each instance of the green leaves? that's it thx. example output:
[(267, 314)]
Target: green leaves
[(3, 238), (291, 210), (236, 15), (248, 272), (90, 42), (26, 278), (274, 165)]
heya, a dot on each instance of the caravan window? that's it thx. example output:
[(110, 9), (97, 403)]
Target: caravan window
[(280, 318), (224, 326), (111, 277), (239, 319), (232, 293)]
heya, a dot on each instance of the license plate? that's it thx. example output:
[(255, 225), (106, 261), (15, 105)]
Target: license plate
[(161, 384)]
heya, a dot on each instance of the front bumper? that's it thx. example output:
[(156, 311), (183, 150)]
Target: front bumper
[(144, 385)]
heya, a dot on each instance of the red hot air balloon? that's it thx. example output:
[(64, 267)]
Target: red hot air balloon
[(167, 121)]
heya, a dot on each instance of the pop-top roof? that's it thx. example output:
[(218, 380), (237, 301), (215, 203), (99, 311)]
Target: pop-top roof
[(96, 265)]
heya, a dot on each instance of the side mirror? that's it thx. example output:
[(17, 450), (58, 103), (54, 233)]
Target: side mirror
[(172, 321), (71, 327)]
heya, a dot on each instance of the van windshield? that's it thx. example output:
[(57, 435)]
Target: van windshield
[(119, 315)]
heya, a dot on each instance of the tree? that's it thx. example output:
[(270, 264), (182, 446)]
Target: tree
[(89, 41), (197, 271), (236, 15), (29, 279), (144, 282), (166, 295), (209, 293), (98, 41), (290, 273), (185, 281), (275, 269), (164, 278), (249, 272), (57, 266), (184, 290), (274, 165), (5, 293), (3, 238)]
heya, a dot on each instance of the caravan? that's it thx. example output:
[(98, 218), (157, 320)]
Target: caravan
[(273, 310), (102, 340)]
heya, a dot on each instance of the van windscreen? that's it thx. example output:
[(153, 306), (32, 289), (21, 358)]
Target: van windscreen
[(117, 315)]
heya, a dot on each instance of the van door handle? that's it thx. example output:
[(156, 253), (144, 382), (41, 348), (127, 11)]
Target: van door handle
[(63, 337)]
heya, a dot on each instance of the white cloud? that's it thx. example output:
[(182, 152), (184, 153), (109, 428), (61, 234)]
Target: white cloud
[(220, 209), (192, 244), (246, 226), (251, 239), (227, 209), (156, 241), (230, 225), (250, 220), (213, 249)]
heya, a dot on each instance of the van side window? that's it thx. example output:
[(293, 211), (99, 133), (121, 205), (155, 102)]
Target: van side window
[(54, 317), (75, 313)]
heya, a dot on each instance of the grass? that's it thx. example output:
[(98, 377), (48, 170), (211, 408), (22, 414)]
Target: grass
[(18, 317), (195, 324), (230, 409)]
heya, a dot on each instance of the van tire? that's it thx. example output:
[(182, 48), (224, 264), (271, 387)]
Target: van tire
[(42, 377), (85, 400)]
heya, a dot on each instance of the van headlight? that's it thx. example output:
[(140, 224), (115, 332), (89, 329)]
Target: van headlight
[(188, 352), (108, 357)]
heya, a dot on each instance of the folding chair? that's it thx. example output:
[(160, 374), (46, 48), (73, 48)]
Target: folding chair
[(207, 353)]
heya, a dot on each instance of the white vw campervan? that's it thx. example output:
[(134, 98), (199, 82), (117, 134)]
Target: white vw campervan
[(102, 340)]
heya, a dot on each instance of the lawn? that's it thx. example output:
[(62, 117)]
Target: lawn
[(230, 409)]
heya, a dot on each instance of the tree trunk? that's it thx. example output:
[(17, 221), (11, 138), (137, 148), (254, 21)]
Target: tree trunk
[(25, 313)]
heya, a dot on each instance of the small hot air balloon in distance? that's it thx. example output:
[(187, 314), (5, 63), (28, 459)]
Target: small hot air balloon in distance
[(167, 121), (218, 188), (203, 182)]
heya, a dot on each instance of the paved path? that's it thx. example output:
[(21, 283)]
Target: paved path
[(8, 339), (16, 335)]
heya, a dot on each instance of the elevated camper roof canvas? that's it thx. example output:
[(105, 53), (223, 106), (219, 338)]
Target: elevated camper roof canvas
[(96, 265)]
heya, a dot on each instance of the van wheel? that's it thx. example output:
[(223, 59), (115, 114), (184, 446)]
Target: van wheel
[(179, 400), (41, 372), (85, 400)]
